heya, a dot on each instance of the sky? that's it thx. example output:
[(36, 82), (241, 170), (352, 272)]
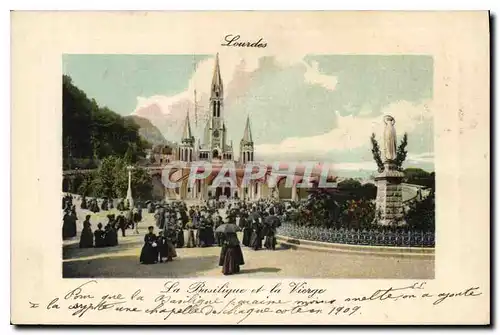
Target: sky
[(301, 107)]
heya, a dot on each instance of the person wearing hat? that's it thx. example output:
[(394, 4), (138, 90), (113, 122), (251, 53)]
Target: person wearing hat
[(245, 223), (162, 248), (99, 235), (69, 225), (191, 241), (209, 232), (231, 256), (256, 239), (121, 223), (83, 204), (179, 242), (87, 238), (219, 237), (200, 235), (149, 252), (171, 235)]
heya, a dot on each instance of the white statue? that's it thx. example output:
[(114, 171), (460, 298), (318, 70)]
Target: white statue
[(389, 138)]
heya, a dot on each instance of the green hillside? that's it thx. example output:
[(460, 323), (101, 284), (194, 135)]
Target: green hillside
[(92, 132)]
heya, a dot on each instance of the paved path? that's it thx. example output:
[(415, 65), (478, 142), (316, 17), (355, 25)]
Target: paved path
[(122, 261)]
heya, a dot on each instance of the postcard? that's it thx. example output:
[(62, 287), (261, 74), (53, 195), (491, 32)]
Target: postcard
[(242, 168)]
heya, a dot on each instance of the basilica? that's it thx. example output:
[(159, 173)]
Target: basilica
[(215, 146), (216, 149)]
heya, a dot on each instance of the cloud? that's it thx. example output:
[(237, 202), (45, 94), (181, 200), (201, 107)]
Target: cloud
[(425, 157), (352, 132), (313, 76), (350, 166), (237, 71)]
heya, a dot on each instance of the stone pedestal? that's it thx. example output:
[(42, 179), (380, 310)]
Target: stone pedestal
[(389, 203)]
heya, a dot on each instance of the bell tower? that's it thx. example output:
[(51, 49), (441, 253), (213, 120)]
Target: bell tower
[(186, 149), (217, 128), (246, 144)]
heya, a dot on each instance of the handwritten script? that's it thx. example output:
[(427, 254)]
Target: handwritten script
[(242, 304)]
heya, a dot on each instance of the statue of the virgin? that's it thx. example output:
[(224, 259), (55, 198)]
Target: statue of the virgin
[(389, 138)]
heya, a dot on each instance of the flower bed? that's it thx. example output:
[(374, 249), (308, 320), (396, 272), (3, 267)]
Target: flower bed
[(375, 237)]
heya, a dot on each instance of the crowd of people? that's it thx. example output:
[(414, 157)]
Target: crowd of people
[(203, 223), (107, 237), (69, 217), (258, 221)]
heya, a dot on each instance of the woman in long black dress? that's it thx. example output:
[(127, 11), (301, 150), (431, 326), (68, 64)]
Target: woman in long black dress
[(87, 238), (161, 242), (219, 237), (108, 237), (99, 235), (209, 233), (256, 240), (83, 205), (69, 225), (149, 252), (231, 256), (270, 241), (201, 238), (111, 237), (247, 230), (171, 235), (180, 236)]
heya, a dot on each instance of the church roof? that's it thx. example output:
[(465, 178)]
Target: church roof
[(247, 135), (216, 78), (186, 133)]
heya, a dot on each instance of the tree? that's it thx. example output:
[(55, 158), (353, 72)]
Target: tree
[(106, 176), (94, 132), (130, 157), (111, 180), (419, 176), (376, 153), (422, 214), (357, 190), (86, 187), (368, 191), (349, 184), (401, 152), (142, 184)]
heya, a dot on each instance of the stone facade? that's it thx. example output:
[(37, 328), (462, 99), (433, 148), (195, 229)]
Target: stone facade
[(389, 202)]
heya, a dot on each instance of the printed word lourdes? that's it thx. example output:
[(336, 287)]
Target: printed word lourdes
[(233, 41)]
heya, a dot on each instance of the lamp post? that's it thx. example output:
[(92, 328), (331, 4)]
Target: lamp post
[(129, 190)]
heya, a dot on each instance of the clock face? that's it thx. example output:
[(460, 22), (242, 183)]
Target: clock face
[(216, 133)]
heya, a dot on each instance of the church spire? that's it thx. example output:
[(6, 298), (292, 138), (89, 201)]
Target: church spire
[(247, 135), (246, 144), (206, 133), (217, 89), (186, 133)]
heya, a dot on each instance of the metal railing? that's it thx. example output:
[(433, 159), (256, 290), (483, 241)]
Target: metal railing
[(375, 237)]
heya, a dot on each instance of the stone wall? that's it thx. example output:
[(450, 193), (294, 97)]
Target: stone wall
[(389, 202)]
